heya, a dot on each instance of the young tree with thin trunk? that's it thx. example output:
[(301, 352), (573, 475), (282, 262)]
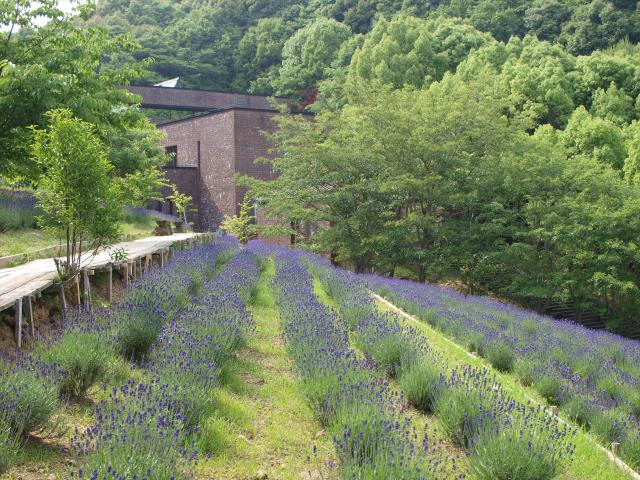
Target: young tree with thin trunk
[(79, 198)]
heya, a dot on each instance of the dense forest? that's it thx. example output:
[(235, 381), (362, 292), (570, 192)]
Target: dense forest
[(257, 46)]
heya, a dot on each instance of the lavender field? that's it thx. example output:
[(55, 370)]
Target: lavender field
[(178, 381)]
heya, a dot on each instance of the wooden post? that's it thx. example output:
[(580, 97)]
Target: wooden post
[(162, 258), (30, 307), (86, 288), (129, 270), (63, 300), (110, 291), (554, 410), (18, 328), (85, 283), (76, 288), (615, 448)]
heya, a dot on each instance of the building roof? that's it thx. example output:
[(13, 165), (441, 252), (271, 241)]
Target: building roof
[(161, 97)]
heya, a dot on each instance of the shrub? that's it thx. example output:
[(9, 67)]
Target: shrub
[(363, 432), (9, 446), (523, 450), (458, 409), (83, 358), (388, 353), (137, 434), (630, 448), (421, 383), (550, 388), (9, 220), (28, 400), (137, 332), (501, 357), (476, 343), (604, 423), (320, 390), (196, 282), (579, 410), (526, 371)]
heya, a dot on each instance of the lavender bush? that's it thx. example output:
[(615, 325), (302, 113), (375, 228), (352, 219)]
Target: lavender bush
[(470, 403), (373, 438), (18, 209), (594, 376), (150, 429)]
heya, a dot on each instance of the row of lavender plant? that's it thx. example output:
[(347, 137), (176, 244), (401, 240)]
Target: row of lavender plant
[(373, 435), (504, 439), (17, 209), (593, 376), (149, 429), (91, 347)]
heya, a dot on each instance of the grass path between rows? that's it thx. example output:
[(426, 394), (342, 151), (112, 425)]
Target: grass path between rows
[(589, 461), (427, 424), (264, 429)]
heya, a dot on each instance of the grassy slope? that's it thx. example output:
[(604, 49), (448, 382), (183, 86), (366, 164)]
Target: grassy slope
[(28, 240), (589, 461), (424, 424), (268, 429)]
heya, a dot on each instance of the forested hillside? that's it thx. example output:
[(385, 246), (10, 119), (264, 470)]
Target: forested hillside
[(239, 44)]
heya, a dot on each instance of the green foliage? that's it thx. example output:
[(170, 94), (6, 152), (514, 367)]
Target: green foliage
[(181, 201), (595, 138), (79, 201), (16, 219), (387, 352), (33, 399), (83, 358), (240, 45), (64, 65), (420, 383), (451, 182), (136, 333), (242, 226), (517, 450), (500, 356), (549, 387), (9, 447), (630, 449), (410, 51), (307, 53), (457, 410), (211, 438)]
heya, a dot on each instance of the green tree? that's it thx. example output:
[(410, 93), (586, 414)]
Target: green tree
[(79, 199), (544, 18), (63, 66), (599, 24), (632, 162), (242, 226), (306, 55), (594, 138), (613, 104), (259, 54)]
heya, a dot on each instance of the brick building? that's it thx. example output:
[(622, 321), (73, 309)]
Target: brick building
[(221, 139)]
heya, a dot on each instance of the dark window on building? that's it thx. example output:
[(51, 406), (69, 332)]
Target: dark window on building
[(173, 151)]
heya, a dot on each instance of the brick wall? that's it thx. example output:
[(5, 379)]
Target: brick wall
[(250, 144), (186, 179), (207, 143), (217, 146)]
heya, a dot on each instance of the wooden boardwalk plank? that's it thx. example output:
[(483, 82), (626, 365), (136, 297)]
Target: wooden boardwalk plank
[(33, 277)]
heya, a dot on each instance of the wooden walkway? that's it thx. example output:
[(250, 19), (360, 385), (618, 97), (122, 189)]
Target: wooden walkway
[(19, 285)]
